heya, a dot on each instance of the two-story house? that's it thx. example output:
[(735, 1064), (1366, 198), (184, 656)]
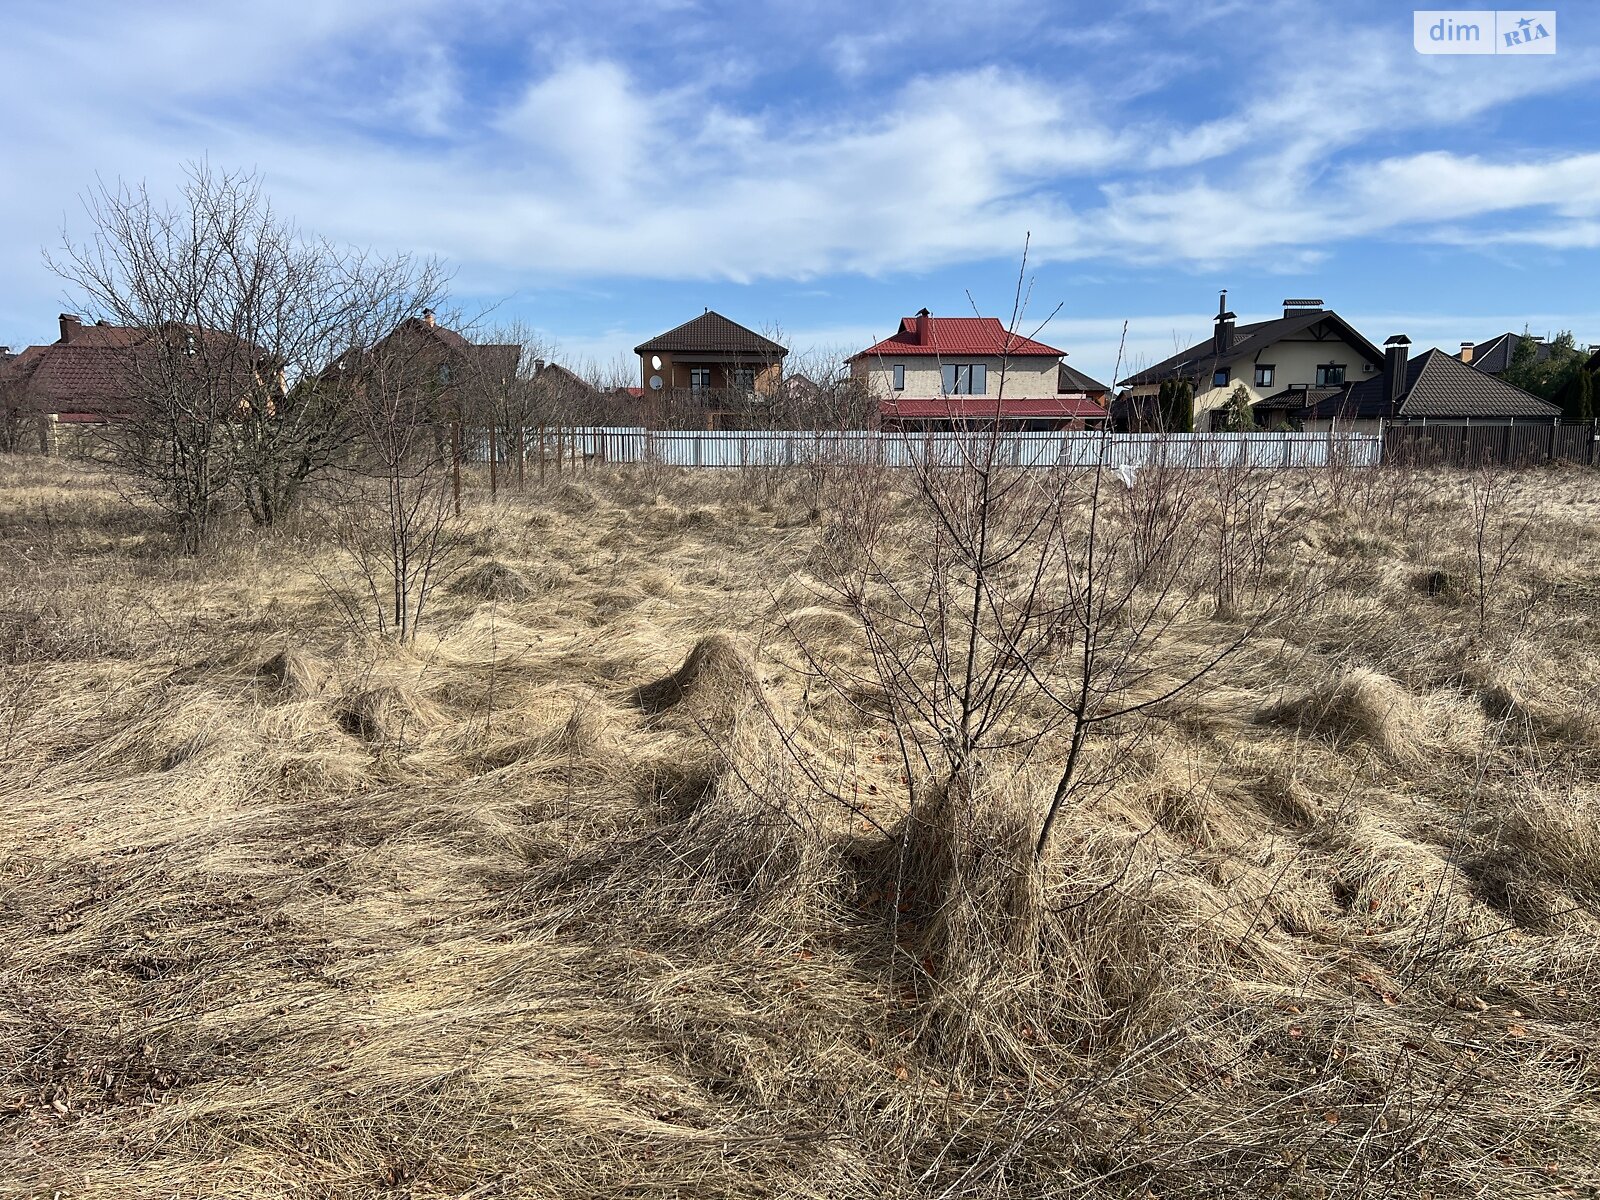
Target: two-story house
[(1308, 347), (709, 372), (942, 373)]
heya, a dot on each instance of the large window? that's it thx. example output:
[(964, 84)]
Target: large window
[(1264, 374), (745, 378), (699, 378), (1330, 375), (899, 377), (965, 379)]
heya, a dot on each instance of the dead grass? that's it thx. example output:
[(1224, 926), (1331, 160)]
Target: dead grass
[(594, 891)]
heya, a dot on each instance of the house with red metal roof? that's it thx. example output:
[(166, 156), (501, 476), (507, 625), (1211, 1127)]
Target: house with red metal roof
[(942, 373)]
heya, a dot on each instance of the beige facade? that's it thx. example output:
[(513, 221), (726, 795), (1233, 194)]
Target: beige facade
[(1294, 362), (676, 371), (1025, 377)]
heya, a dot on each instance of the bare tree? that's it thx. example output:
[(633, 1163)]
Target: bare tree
[(226, 318), (398, 518)]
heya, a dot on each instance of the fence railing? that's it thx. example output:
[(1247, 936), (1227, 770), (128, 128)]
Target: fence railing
[(793, 448), (1492, 445)]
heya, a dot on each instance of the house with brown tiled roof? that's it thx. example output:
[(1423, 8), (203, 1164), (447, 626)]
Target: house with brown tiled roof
[(942, 373), (1494, 356), (91, 374), (1308, 347), (709, 372), (1434, 388)]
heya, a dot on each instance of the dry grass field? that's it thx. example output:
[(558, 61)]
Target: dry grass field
[(542, 905)]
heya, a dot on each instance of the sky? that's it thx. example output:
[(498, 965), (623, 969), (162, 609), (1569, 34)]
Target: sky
[(605, 171)]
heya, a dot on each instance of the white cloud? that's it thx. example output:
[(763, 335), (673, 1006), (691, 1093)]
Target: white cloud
[(648, 162)]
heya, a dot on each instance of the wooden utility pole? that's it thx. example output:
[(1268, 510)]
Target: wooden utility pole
[(455, 461), (494, 455)]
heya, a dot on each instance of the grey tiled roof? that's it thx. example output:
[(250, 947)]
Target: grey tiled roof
[(1298, 397), (1494, 356), (1070, 379), (1437, 387), (1200, 360), (713, 333)]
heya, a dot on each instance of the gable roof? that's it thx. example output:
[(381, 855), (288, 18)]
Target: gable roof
[(1438, 386), (712, 333), (983, 337), (1201, 359), (93, 371), (1494, 356), (1070, 379)]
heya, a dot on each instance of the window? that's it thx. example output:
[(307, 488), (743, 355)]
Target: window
[(444, 373), (745, 378), (699, 378), (965, 379), (1330, 374), (1264, 374), (899, 377), (1220, 378)]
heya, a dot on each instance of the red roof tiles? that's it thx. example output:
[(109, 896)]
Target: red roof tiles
[(952, 336)]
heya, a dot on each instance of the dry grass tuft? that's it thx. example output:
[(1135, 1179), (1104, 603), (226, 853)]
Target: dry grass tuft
[(716, 680), (287, 911), (492, 580), (1360, 705)]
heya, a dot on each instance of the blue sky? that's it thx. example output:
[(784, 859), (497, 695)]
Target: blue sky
[(604, 171)]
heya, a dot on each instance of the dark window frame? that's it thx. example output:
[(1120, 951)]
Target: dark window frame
[(965, 379), (1326, 373), (699, 379), (897, 377), (1221, 377), (1269, 370)]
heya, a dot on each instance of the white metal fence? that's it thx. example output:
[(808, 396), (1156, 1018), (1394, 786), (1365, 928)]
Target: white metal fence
[(780, 448)]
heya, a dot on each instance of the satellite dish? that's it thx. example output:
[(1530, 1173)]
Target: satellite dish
[(655, 383), (655, 362)]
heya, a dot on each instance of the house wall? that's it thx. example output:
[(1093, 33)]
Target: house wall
[(1032, 376), (675, 373), (1295, 361)]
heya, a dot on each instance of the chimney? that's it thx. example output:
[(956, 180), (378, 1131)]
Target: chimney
[(1295, 308), (924, 327), (538, 366), (71, 326), (1395, 352), (1466, 351), (427, 316), (1222, 339)]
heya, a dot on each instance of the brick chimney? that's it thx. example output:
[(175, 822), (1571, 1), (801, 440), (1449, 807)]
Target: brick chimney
[(1466, 351), (1395, 352), (538, 366), (924, 327), (1222, 339), (427, 317), (71, 326)]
